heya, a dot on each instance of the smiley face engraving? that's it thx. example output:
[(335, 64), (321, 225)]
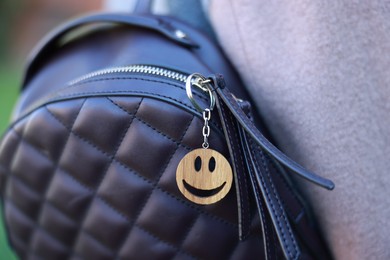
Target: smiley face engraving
[(204, 176)]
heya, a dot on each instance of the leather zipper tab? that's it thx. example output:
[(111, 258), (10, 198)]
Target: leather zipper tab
[(231, 103)]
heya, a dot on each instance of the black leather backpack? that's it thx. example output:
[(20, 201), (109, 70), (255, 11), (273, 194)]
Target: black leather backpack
[(110, 106)]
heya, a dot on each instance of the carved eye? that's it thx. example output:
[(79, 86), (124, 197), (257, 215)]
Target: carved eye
[(212, 164), (198, 163)]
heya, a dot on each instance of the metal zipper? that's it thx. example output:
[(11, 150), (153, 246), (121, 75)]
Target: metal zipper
[(195, 79), (142, 69)]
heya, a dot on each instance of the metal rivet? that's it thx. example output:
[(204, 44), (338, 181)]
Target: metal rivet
[(180, 34)]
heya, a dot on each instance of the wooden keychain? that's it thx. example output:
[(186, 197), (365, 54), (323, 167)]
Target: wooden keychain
[(203, 176)]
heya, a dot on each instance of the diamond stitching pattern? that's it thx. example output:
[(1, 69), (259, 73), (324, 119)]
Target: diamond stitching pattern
[(46, 202), (111, 160), (178, 249), (92, 237), (172, 155), (158, 178), (30, 243)]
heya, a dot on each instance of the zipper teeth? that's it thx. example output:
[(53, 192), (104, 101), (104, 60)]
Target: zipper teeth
[(145, 69)]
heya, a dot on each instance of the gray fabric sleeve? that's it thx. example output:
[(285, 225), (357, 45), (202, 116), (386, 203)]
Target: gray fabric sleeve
[(319, 73)]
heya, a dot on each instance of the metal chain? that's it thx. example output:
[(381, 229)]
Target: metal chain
[(206, 127)]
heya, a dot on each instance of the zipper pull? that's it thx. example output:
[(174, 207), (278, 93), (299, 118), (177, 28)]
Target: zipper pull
[(203, 176), (243, 207)]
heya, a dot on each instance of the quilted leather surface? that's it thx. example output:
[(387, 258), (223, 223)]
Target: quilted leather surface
[(94, 178), (92, 175)]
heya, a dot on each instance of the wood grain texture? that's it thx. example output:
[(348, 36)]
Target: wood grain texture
[(204, 182)]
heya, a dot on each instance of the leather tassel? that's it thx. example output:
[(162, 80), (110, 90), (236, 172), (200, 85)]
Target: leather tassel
[(247, 147), (265, 190), (265, 220), (227, 98), (249, 164), (229, 127)]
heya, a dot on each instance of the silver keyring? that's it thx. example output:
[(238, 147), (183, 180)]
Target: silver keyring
[(202, 83)]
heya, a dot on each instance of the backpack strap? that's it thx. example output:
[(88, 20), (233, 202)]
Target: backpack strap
[(53, 40), (143, 7)]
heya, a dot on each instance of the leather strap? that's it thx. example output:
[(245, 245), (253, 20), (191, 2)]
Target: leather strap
[(261, 178), (265, 219), (246, 156), (52, 41), (231, 103), (240, 177)]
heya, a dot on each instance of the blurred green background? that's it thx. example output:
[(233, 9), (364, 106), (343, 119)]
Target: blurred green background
[(10, 71), (22, 24), (8, 91)]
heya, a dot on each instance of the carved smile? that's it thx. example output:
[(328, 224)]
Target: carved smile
[(202, 193)]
